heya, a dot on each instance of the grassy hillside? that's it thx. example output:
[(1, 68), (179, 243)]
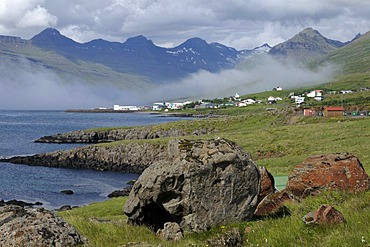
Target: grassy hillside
[(278, 140), (354, 62), (69, 69)]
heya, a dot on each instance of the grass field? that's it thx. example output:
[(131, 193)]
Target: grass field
[(278, 140), (104, 225)]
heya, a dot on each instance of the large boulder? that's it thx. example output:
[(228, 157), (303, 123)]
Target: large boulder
[(340, 171), (202, 184), (35, 227)]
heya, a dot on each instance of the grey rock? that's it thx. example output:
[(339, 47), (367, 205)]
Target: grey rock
[(35, 227), (171, 231), (133, 158), (98, 136), (118, 193), (200, 185), (67, 192)]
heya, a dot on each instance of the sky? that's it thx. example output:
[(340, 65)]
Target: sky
[(242, 24)]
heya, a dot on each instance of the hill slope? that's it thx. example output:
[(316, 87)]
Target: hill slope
[(23, 55), (354, 62)]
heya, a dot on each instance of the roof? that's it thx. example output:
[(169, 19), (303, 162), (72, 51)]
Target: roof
[(334, 108)]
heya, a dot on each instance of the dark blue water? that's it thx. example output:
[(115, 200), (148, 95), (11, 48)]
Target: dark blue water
[(18, 130)]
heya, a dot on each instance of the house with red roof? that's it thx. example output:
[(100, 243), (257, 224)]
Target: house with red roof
[(333, 111)]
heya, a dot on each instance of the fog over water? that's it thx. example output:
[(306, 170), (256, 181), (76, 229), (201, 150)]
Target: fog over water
[(29, 86)]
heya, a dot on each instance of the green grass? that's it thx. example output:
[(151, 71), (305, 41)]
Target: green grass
[(277, 139), (104, 224)]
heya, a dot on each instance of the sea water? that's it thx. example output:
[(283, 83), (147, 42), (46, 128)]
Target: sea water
[(19, 129)]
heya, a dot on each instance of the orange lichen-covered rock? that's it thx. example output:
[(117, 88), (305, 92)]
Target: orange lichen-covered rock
[(332, 171), (325, 214)]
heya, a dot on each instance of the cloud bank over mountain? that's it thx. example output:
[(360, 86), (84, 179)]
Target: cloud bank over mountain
[(266, 73), (240, 24), (31, 87), (25, 86)]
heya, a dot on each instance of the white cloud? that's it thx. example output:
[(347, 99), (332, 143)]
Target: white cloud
[(39, 17), (243, 80), (242, 24)]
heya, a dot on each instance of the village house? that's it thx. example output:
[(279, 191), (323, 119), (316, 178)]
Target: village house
[(125, 108), (299, 100), (159, 106), (309, 112), (245, 102), (207, 105), (176, 106), (346, 91), (333, 111), (278, 88), (271, 100), (315, 93)]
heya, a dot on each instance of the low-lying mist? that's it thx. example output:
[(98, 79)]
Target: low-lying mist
[(263, 74), (26, 86)]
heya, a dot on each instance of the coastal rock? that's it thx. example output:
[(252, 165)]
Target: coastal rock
[(332, 171), (20, 203), (134, 133), (118, 193), (67, 192), (132, 158), (35, 227), (202, 184)]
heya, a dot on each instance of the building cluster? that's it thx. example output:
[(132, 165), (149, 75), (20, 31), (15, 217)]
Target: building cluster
[(237, 101)]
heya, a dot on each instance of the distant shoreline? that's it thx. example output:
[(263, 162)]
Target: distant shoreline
[(159, 114), (98, 111)]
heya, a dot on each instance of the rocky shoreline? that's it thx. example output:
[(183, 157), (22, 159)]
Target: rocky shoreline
[(130, 158), (111, 135)]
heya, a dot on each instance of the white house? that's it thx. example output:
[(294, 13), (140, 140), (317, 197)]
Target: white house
[(271, 100), (278, 88), (125, 108), (314, 93), (299, 100), (176, 106), (159, 106), (250, 101)]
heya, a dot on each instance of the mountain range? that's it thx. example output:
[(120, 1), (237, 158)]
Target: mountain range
[(139, 63), (137, 56)]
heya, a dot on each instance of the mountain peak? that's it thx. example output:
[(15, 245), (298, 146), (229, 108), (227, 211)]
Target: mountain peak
[(310, 31), (194, 42), (306, 46), (48, 32), (51, 38), (139, 40)]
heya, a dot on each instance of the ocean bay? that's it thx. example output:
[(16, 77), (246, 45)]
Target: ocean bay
[(19, 129)]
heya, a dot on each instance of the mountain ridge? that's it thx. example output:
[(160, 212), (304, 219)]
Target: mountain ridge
[(139, 60), (306, 46)]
